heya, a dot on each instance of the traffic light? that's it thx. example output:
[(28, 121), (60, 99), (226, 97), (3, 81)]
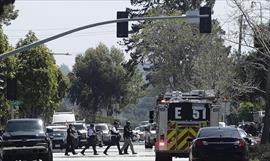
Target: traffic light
[(2, 82), (11, 89), (151, 116), (122, 27), (2, 79), (205, 22)]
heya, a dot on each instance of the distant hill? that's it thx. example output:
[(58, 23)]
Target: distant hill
[(65, 69)]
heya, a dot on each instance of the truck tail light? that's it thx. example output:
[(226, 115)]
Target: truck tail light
[(161, 144)]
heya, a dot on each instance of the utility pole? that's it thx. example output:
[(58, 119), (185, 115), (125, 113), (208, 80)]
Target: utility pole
[(240, 36)]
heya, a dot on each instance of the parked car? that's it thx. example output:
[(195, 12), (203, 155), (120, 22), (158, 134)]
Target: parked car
[(82, 133), (250, 139), (26, 139), (104, 129), (224, 143), (150, 136), (58, 135), (59, 138)]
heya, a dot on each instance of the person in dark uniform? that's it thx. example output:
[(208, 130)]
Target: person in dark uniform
[(115, 138), (127, 138), (91, 140), (126, 150), (70, 140)]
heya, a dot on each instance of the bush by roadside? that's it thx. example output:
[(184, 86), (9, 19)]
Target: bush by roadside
[(260, 153)]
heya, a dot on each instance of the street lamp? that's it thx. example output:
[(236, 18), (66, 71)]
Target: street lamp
[(253, 3)]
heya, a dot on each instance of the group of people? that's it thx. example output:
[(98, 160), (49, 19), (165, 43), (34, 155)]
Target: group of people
[(91, 141)]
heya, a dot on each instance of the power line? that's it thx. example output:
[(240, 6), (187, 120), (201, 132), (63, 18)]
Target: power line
[(49, 29)]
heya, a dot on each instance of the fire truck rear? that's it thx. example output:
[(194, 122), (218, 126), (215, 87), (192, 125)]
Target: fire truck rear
[(178, 117)]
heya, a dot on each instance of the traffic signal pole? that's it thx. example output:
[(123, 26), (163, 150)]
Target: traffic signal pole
[(32, 45)]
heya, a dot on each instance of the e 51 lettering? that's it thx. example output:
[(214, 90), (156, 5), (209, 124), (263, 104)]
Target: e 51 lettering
[(178, 113), (187, 111)]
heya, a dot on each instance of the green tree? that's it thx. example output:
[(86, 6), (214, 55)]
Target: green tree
[(213, 67), (41, 85), (246, 109), (6, 65), (154, 8), (100, 81), (181, 58), (7, 12), (260, 34)]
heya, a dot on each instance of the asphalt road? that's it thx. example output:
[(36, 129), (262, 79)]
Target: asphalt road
[(143, 155)]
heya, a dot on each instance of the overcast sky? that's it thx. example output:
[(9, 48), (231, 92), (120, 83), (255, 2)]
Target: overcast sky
[(49, 17)]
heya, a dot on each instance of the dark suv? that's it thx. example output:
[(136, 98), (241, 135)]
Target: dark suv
[(25, 139)]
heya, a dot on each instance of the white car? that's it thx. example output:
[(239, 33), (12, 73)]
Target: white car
[(140, 132)]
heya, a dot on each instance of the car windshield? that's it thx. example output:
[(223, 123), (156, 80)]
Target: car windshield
[(101, 127), (59, 133), (24, 126), (220, 132), (79, 127)]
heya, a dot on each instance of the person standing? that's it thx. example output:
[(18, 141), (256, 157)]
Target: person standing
[(115, 138), (70, 140), (127, 138), (91, 140)]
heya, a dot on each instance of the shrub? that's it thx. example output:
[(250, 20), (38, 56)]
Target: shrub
[(260, 153)]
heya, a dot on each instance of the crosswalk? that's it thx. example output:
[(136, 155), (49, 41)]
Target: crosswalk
[(113, 155), (112, 152)]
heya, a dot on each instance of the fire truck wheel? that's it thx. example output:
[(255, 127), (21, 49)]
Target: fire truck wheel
[(163, 157)]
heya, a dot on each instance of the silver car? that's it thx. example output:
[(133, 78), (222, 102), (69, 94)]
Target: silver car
[(105, 129)]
